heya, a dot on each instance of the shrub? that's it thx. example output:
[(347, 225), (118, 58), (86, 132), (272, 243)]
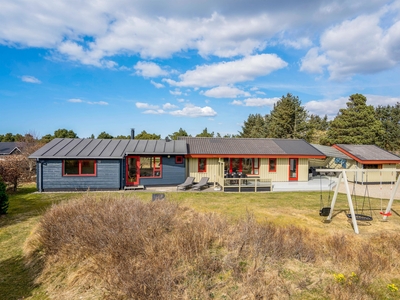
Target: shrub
[(123, 248), (3, 198)]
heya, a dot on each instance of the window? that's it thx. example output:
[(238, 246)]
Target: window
[(372, 166), (272, 165), (227, 165), (255, 166), (242, 165), (150, 166), (202, 165), (74, 167), (179, 159)]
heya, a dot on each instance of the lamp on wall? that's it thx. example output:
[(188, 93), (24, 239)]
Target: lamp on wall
[(169, 156)]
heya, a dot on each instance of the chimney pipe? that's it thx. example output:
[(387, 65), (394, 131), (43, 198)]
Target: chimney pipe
[(132, 133)]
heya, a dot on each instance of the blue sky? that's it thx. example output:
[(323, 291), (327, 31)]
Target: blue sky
[(93, 66)]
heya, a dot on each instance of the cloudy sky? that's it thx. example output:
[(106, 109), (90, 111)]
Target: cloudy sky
[(93, 66)]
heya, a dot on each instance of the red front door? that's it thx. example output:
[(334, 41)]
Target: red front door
[(293, 169), (132, 170)]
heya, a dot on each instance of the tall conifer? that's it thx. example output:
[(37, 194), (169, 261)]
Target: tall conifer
[(355, 124)]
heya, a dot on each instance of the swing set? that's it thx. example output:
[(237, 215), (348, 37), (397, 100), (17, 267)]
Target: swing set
[(354, 216)]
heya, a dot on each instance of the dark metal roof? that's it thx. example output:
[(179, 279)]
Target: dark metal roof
[(108, 148), (7, 148), (249, 146), (368, 153), (331, 152)]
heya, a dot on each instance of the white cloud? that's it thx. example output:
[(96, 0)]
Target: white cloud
[(194, 111), (73, 51), (225, 92), (226, 73), (256, 102), (358, 46), (75, 100), (90, 32), (157, 85), (176, 92), (98, 103), (154, 112), (167, 106), (300, 43), (237, 102), (331, 107), (30, 79), (376, 100), (313, 62), (143, 105), (149, 69), (326, 107)]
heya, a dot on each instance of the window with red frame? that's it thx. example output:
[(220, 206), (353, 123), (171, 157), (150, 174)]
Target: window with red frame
[(247, 166), (202, 165), (150, 166), (74, 167), (179, 159), (272, 165)]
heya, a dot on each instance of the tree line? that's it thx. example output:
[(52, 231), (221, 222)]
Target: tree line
[(358, 123)]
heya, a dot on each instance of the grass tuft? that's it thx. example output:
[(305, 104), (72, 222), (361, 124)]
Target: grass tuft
[(118, 247)]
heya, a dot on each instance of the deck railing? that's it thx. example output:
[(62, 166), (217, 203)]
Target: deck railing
[(246, 184)]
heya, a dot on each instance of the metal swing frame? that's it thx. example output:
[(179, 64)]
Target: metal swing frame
[(343, 175)]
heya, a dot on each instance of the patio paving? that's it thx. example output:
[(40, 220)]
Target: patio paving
[(315, 184)]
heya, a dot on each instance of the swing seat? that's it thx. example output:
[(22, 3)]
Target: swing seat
[(360, 217), (388, 214), (325, 211)]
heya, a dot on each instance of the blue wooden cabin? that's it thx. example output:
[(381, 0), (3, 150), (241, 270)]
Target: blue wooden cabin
[(109, 164)]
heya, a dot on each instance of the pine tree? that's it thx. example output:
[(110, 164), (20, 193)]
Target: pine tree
[(178, 133), (105, 135), (147, 136), (355, 124), (390, 118), (288, 119), (254, 127), (205, 133), (3, 198)]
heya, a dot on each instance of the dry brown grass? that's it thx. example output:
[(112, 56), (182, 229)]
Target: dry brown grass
[(122, 248)]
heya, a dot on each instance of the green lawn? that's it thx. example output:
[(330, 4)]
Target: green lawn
[(26, 207)]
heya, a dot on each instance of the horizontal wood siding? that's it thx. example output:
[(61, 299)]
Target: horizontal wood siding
[(281, 174), (172, 174), (212, 169), (108, 177), (282, 169)]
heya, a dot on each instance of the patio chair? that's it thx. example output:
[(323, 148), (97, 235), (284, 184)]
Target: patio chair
[(187, 184), (202, 183)]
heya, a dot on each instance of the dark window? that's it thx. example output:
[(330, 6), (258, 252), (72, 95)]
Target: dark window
[(372, 166), (272, 164), (202, 165), (150, 166), (241, 165), (179, 159), (74, 167)]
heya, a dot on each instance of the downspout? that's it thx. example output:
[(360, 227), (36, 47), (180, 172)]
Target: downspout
[(39, 173)]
